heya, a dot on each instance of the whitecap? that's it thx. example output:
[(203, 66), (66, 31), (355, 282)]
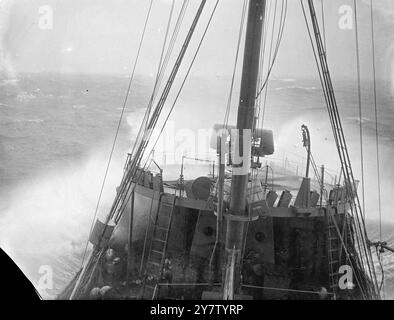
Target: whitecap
[(288, 80), (29, 120), (6, 82), (295, 88), (25, 97)]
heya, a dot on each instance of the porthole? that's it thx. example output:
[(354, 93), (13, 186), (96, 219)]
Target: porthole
[(209, 231), (259, 236)]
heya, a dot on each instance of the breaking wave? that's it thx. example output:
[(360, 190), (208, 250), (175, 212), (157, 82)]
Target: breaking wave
[(47, 220)]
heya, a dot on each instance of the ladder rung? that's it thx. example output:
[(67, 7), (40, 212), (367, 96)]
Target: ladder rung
[(164, 213), (334, 286), (335, 274), (166, 204), (154, 263), (332, 238), (158, 252), (333, 250), (334, 261), (163, 219), (159, 240)]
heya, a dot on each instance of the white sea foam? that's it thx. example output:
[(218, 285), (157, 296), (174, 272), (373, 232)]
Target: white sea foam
[(49, 217), (47, 220), (296, 88), (8, 82), (287, 80), (25, 97), (37, 120)]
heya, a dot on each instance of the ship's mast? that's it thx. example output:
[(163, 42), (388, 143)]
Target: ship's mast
[(246, 111)]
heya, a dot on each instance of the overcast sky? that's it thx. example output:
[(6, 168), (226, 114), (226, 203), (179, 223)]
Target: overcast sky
[(101, 36)]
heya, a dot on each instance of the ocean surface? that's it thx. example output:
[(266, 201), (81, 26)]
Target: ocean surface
[(57, 131)]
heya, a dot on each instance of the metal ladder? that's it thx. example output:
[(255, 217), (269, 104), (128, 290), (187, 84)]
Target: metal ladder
[(158, 246), (334, 255)]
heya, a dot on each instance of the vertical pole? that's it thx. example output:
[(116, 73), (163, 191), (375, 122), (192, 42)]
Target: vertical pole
[(266, 181), (130, 241), (222, 168), (321, 185), (307, 144), (246, 111)]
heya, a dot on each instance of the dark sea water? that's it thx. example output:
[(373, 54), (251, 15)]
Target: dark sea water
[(56, 133)]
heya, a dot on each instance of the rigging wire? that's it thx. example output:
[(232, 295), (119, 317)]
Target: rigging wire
[(280, 35), (380, 260), (329, 99), (178, 95), (269, 62), (163, 66), (160, 67), (339, 139), (119, 124), (315, 170), (325, 91), (262, 61), (185, 78), (360, 109), (376, 122), (135, 162), (360, 112), (254, 183), (355, 201), (228, 108), (240, 33), (118, 204), (377, 137), (324, 25)]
